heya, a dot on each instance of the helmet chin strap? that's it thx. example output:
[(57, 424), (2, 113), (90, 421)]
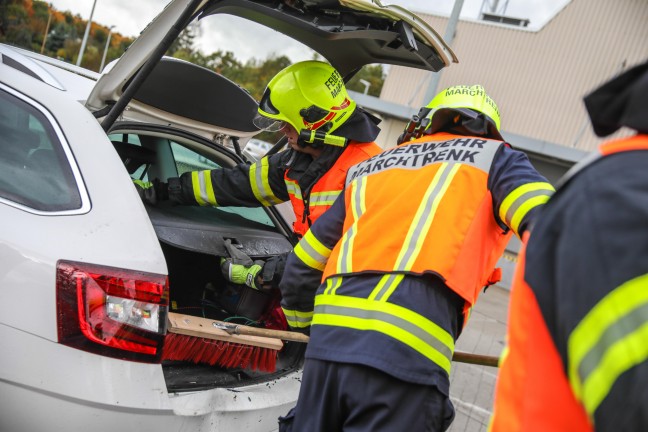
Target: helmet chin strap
[(317, 139)]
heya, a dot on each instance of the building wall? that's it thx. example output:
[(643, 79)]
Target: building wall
[(537, 77)]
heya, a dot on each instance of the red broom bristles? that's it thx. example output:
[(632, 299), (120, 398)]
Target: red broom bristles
[(214, 352)]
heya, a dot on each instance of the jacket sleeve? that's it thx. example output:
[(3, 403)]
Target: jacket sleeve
[(259, 184), (305, 266), (518, 190)]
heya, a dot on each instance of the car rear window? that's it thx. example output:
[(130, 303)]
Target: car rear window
[(34, 170)]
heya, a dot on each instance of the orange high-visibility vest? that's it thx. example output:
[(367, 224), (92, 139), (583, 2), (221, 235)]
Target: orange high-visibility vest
[(446, 225), (533, 392), (327, 188)]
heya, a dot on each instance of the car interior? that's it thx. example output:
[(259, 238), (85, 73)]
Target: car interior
[(193, 240)]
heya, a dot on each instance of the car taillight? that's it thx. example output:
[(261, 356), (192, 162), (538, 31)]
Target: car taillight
[(110, 311)]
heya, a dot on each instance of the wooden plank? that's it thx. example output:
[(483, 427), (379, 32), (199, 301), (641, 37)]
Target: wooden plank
[(202, 327)]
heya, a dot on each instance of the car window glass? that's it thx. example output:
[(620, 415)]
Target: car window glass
[(141, 172), (34, 170), (188, 160)]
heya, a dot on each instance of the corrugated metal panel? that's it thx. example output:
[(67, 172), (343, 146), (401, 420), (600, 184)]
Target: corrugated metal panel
[(538, 78)]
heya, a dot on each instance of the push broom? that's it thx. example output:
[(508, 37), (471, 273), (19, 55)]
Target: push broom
[(212, 342)]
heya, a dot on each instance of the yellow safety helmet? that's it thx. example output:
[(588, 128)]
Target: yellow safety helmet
[(460, 100), (309, 95)]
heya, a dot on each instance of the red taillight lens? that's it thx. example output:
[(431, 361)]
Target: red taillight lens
[(113, 312)]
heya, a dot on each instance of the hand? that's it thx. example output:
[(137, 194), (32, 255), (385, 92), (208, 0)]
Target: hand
[(242, 275), (152, 192)]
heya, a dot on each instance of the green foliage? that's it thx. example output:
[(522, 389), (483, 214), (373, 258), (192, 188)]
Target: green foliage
[(373, 74), (14, 26)]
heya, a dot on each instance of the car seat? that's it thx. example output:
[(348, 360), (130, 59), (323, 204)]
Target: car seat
[(134, 156)]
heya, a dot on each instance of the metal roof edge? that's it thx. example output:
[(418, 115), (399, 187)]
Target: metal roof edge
[(545, 149)]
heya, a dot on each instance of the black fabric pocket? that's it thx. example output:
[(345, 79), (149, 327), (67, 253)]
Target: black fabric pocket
[(286, 422)]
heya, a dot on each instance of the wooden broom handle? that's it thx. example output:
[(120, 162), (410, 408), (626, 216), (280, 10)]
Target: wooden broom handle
[(461, 357)]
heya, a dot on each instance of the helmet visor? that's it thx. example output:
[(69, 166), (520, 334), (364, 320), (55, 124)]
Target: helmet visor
[(266, 105), (268, 124)]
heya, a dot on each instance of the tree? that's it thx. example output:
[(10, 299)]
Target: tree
[(255, 75), (373, 74), (183, 46), (14, 27), (57, 36)]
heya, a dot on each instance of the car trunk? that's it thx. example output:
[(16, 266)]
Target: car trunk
[(193, 242), (193, 238)]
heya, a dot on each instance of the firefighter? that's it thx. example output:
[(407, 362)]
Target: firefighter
[(577, 356), (327, 133), (385, 280)]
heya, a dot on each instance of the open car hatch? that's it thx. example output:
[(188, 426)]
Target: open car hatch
[(349, 34)]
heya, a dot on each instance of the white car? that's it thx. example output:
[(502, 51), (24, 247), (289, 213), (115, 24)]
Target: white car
[(89, 275)]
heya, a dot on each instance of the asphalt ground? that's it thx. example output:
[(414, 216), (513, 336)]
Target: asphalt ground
[(472, 386)]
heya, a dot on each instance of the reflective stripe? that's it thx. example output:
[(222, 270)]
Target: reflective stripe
[(424, 215), (358, 189), (143, 184), (298, 319), (402, 324), (610, 340), (202, 188), (293, 189), (521, 200), (386, 286), (260, 185), (418, 231), (312, 252), (332, 284), (503, 356), (323, 198)]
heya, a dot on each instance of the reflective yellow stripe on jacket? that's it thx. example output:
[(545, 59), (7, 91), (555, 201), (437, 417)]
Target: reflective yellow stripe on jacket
[(357, 209), (312, 252), (298, 319), (323, 198), (202, 188), (521, 200), (402, 324), (260, 184), (610, 340)]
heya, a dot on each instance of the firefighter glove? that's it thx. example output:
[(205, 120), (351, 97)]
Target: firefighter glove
[(146, 191), (241, 274), (152, 192)]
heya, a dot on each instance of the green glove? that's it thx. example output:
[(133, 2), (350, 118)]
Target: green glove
[(152, 192), (240, 274)]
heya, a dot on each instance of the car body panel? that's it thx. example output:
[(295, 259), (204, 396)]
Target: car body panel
[(55, 72), (64, 390), (122, 238), (196, 99), (68, 388)]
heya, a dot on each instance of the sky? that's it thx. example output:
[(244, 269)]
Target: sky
[(131, 16)]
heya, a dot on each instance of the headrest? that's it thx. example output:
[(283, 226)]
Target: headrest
[(134, 156)]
